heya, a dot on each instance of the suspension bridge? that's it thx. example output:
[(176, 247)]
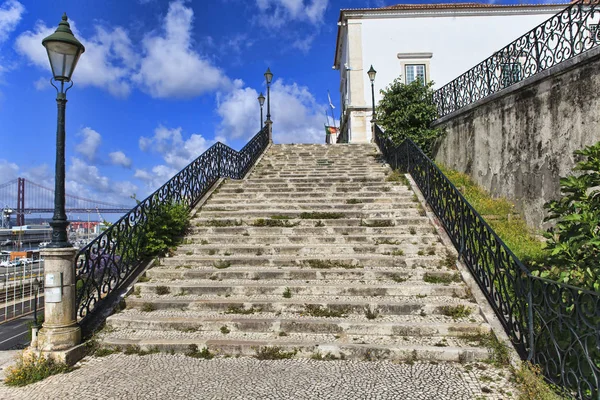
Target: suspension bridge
[(26, 197)]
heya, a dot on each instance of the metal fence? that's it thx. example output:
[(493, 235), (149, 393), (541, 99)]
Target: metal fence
[(111, 258), (565, 35), (552, 324), (17, 289)]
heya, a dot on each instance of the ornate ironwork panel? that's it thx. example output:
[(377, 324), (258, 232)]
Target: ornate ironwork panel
[(565, 35), (106, 262), (552, 324)]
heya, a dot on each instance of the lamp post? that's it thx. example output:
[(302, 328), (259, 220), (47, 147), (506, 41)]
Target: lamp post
[(60, 333), (64, 51), (269, 78), (261, 101), (372, 74)]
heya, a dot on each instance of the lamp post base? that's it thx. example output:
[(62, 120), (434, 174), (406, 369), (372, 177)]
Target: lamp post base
[(60, 330)]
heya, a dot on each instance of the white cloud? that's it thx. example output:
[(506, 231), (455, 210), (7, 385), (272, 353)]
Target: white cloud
[(170, 66), (8, 172), (297, 116), (107, 63), (84, 180), (277, 13), (11, 12), (159, 176), (304, 44), (119, 158), (89, 144), (175, 151)]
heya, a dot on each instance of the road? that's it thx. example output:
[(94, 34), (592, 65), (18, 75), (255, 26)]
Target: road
[(14, 334)]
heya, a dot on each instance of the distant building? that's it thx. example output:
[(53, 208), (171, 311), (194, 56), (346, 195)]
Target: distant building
[(428, 41)]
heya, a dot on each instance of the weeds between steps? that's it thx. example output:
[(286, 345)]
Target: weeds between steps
[(386, 241), (31, 368), (148, 307), (274, 353), (242, 310), (221, 264), (353, 201), (315, 310), (371, 313), (326, 357), (396, 176), (459, 311), (162, 290), (386, 223), (327, 264), (287, 293), (445, 279), (205, 354), (220, 223), (321, 215), (284, 223)]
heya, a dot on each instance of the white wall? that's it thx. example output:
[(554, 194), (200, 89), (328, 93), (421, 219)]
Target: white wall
[(458, 43)]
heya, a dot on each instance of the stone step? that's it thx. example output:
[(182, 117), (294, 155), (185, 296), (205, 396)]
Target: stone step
[(373, 222), (288, 209), (356, 261), (217, 200), (294, 216), (240, 196), (415, 229), (409, 288), (310, 250), (394, 240), (408, 305), (302, 274), (304, 348), (199, 322)]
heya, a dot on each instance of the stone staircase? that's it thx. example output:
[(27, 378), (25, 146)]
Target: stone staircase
[(323, 251)]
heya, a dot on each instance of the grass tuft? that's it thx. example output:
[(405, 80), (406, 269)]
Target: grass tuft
[(204, 353), (274, 353), (444, 279), (459, 311), (315, 310), (327, 264), (321, 215), (31, 368), (162, 290)]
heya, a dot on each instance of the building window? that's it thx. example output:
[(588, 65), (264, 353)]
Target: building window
[(511, 73), (413, 72)]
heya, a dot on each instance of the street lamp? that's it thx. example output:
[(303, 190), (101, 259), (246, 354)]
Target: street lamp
[(64, 51), (261, 101), (372, 74), (269, 78)]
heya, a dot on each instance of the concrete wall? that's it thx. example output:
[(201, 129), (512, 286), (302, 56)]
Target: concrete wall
[(518, 142)]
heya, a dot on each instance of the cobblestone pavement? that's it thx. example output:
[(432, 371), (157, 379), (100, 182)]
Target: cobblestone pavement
[(163, 376)]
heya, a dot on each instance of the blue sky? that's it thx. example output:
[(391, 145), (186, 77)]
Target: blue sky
[(161, 81)]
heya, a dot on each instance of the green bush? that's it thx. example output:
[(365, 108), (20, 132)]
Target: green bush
[(574, 243), (166, 224), (408, 111)]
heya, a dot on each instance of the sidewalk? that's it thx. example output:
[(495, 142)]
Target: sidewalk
[(163, 376)]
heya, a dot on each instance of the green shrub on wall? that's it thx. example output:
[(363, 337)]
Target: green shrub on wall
[(573, 245), (166, 224), (408, 111)]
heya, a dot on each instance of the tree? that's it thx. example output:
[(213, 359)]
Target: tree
[(574, 243), (408, 111)]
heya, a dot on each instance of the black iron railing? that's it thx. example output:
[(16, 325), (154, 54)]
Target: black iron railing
[(552, 324), (565, 35), (111, 258)]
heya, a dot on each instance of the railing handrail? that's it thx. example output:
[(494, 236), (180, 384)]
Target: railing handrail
[(103, 264), (544, 46), (534, 311)]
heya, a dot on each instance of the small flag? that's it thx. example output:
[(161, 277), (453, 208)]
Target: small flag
[(330, 130), (330, 103)]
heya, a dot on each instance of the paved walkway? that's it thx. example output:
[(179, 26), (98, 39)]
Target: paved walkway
[(163, 376)]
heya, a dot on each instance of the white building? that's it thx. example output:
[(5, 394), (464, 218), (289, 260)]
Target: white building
[(433, 41)]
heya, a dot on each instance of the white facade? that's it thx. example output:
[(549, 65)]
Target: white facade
[(445, 40)]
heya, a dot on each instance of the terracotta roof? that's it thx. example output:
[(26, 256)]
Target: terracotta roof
[(442, 6)]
